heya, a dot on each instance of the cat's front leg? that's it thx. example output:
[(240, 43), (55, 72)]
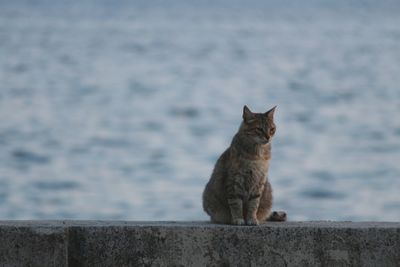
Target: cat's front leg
[(235, 189), (236, 207), (252, 207)]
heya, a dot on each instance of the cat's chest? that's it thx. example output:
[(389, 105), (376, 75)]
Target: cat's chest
[(254, 171)]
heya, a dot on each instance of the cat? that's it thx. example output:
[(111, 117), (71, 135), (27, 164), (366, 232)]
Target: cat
[(238, 191)]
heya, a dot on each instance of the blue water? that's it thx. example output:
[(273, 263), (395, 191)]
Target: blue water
[(119, 109)]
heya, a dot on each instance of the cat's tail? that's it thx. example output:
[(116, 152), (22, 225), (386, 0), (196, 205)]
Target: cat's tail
[(277, 216)]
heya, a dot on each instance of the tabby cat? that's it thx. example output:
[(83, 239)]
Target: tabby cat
[(238, 191)]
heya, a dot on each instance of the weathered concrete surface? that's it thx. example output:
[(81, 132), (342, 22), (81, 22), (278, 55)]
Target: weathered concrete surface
[(116, 243), (33, 244)]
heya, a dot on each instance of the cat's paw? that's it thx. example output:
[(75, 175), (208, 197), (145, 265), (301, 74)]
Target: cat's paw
[(252, 221), (238, 222)]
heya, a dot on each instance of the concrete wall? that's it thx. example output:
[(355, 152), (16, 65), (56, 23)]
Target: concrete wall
[(115, 243)]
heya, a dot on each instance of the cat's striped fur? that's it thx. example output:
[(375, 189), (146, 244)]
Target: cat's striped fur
[(238, 191)]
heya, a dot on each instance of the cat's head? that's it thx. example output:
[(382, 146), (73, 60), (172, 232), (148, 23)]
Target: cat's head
[(260, 127)]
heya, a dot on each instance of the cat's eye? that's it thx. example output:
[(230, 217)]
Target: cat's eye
[(272, 131)]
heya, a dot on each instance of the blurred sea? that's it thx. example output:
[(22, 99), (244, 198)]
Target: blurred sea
[(119, 109)]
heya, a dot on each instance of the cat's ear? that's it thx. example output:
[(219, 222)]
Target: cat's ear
[(247, 114), (270, 113)]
